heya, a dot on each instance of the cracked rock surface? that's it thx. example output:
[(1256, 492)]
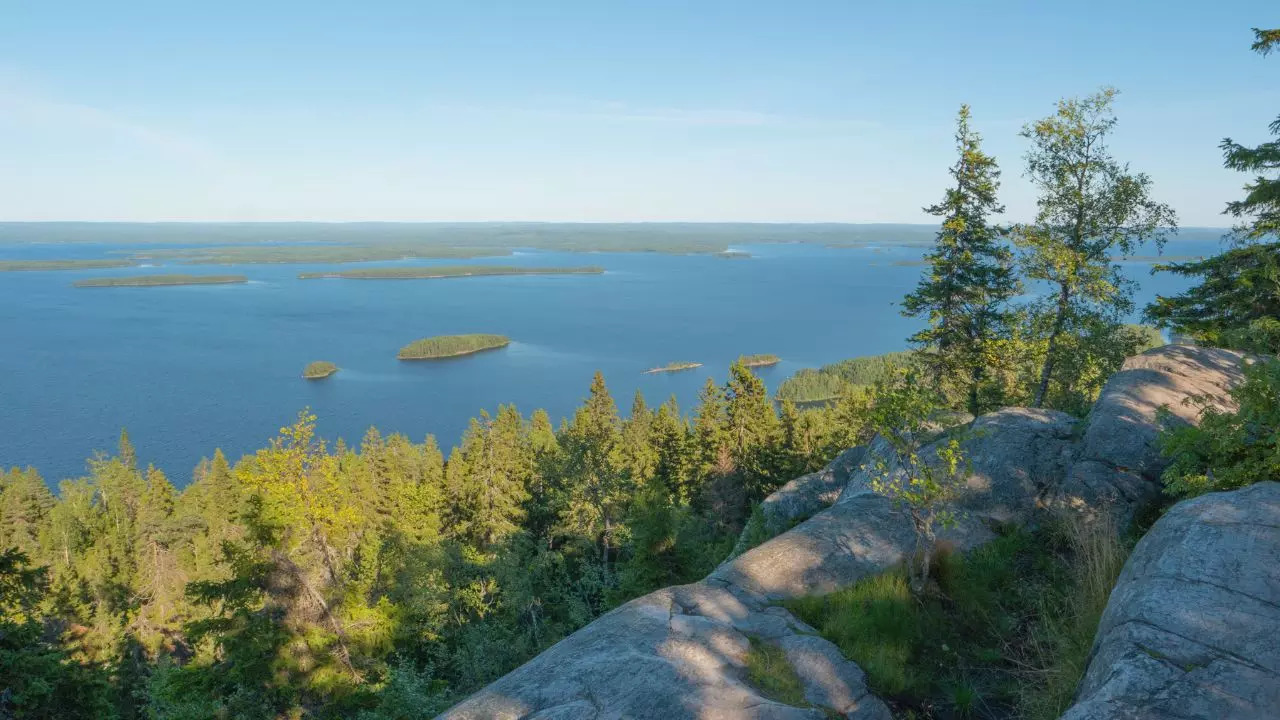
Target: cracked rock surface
[(1192, 629), (680, 652)]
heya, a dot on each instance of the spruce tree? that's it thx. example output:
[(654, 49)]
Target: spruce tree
[(595, 485), (969, 281), (1259, 211)]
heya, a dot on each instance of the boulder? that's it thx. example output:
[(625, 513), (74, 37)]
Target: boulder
[(1118, 465), (1190, 630)]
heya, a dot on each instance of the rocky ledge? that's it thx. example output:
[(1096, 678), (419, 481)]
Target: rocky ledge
[(681, 652)]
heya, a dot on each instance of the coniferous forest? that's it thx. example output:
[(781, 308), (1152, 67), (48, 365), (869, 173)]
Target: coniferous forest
[(388, 579)]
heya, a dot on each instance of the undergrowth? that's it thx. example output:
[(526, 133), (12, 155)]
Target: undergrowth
[(1002, 632)]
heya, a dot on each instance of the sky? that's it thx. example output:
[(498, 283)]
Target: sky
[(694, 110)]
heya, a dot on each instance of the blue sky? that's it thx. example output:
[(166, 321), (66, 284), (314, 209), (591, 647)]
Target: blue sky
[(597, 111)]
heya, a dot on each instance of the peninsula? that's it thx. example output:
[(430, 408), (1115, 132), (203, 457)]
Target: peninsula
[(26, 265), (673, 367), (319, 370), (447, 271), (447, 346), (160, 280)]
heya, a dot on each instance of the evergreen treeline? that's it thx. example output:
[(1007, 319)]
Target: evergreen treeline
[(384, 579)]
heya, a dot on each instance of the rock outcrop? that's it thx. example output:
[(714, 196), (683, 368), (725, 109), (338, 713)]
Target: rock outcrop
[(1118, 465), (681, 652), (1191, 628)]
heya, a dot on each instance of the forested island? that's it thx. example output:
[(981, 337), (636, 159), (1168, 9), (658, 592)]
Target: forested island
[(447, 346), (448, 271), (319, 370), (300, 254), (673, 367), (36, 265), (753, 361), (160, 280)]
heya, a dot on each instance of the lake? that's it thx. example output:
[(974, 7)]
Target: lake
[(190, 369)]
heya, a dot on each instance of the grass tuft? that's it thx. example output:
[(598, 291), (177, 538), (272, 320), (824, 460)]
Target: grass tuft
[(769, 671), (1004, 631)]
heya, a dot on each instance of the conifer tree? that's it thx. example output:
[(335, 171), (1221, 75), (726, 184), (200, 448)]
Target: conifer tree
[(25, 502), (595, 485), (752, 431), (1091, 207), (1259, 211), (969, 281)]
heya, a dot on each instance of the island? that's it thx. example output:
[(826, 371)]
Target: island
[(31, 265), (754, 361), (160, 280), (673, 367), (319, 370), (447, 346), (733, 255), (295, 254), (447, 271)]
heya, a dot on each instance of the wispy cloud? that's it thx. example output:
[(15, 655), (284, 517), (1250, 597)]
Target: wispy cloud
[(621, 112), (22, 104)]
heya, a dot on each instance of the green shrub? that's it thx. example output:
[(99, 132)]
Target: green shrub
[(1229, 450)]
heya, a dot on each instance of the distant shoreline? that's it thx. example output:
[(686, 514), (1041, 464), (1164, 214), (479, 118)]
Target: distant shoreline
[(160, 281), (446, 271)]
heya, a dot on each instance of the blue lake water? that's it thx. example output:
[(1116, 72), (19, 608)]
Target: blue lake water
[(189, 369)]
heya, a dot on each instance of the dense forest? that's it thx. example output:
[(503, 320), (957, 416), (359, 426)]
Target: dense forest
[(386, 580)]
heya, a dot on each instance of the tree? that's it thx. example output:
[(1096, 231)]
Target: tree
[(922, 483), (751, 427), (1090, 208), (595, 487), (1236, 303), (969, 281), (25, 502), (38, 679), (1259, 211)]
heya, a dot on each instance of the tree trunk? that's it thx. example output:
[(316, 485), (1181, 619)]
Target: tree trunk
[(1064, 299)]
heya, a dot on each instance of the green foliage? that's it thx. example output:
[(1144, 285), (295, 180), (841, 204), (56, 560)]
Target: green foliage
[(1090, 208), (1236, 303), (924, 485), (443, 346), (764, 360), (1008, 630), (769, 671), (1259, 211), (831, 381), (39, 679), (970, 280), (381, 581), (1228, 450)]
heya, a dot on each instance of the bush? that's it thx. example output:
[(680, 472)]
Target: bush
[(1229, 450)]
